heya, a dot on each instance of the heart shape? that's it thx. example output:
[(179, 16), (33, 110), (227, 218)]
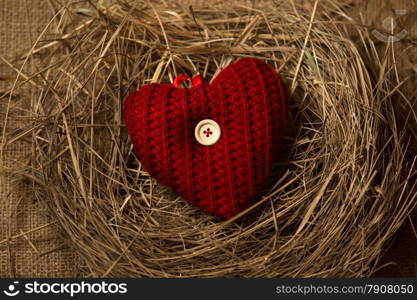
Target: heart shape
[(247, 100)]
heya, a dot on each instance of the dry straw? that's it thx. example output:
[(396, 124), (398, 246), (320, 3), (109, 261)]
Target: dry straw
[(336, 197)]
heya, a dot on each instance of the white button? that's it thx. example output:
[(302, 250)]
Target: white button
[(207, 132)]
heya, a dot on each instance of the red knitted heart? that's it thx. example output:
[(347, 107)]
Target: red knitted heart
[(248, 101)]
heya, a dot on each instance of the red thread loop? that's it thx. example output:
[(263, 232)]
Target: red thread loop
[(195, 81)]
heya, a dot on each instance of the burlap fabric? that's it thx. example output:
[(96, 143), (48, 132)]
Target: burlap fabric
[(30, 242)]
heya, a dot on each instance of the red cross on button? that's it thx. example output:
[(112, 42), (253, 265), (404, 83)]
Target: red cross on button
[(207, 132)]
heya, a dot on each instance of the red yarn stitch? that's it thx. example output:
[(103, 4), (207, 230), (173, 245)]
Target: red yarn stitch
[(247, 99)]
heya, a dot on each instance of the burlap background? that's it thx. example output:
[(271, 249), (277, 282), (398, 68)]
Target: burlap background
[(30, 243)]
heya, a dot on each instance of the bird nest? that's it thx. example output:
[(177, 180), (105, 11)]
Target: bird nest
[(335, 197)]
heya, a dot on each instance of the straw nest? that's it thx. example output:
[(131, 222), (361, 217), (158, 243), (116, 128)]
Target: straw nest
[(334, 199)]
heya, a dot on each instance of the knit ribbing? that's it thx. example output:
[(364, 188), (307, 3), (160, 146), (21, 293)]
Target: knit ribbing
[(165, 127), (146, 135), (188, 160), (267, 118), (227, 152), (246, 127), (212, 201)]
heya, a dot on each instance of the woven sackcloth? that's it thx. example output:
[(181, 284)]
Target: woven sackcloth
[(30, 243)]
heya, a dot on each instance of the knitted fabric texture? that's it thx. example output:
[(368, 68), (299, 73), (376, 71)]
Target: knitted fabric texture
[(247, 99)]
